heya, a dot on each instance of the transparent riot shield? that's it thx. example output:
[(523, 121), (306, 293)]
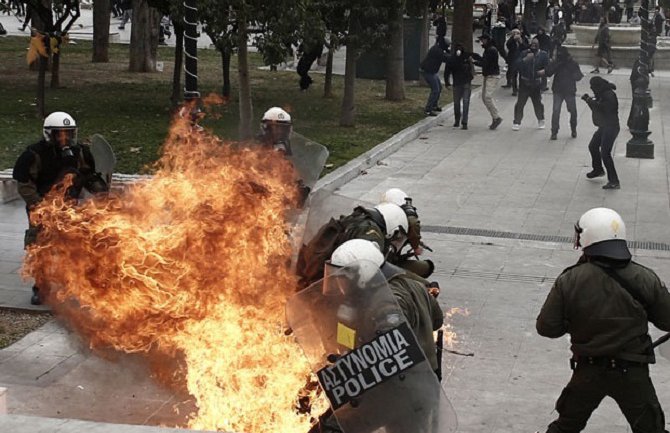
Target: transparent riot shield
[(308, 157), (104, 157), (366, 357), (321, 207)]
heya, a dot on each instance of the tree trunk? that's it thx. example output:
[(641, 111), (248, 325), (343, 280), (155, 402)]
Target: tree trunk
[(244, 82), (348, 114), (425, 30), (175, 98), (226, 55), (55, 70), (395, 56), (101, 11), (461, 31), (144, 37), (328, 79)]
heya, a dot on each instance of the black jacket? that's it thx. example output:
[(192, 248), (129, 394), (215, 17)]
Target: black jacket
[(528, 68), (459, 68), (489, 61), (41, 166), (566, 72), (433, 60), (605, 105)]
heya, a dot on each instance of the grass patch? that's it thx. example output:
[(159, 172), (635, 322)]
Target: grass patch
[(133, 111), (14, 325)]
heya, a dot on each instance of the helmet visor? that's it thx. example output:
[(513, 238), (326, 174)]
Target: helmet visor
[(63, 137), (278, 134)]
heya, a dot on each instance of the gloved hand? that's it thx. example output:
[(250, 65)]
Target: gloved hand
[(434, 289)]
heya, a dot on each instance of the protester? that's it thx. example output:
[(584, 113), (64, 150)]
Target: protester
[(127, 8), (491, 72), (605, 302), (658, 21), (460, 67), (566, 73), (430, 68), (635, 19), (605, 113), (604, 53), (531, 72), (516, 44)]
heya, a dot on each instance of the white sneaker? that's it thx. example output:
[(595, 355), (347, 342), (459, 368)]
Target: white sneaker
[(516, 126), (540, 124)]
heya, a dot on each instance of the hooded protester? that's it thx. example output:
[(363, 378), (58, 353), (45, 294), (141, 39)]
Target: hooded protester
[(531, 73), (566, 73), (604, 106), (459, 66), (605, 303)]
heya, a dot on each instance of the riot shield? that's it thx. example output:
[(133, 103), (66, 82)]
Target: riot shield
[(308, 158), (326, 204), (366, 357), (104, 157)]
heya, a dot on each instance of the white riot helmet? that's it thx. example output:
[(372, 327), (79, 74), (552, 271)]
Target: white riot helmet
[(360, 255), (276, 126), (60, 128), (602, 232), (395, 196), (394, 218)]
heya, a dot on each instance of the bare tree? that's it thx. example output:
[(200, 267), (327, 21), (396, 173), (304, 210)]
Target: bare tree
[(101, 10), (462, 27), (395, 54), (144, 37)]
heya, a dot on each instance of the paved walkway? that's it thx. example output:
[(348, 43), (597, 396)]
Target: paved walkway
[(498, 208)]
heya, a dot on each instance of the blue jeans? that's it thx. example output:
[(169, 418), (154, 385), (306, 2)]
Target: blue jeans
[(461, 93), (600, 148), (433, 81), (556, 112)]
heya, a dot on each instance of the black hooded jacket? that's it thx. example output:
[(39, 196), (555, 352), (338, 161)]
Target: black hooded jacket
[(489, 61), (566, 72), (605, 105), (459, 68)]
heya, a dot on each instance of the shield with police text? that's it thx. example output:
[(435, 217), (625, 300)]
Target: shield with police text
[(366, 356)]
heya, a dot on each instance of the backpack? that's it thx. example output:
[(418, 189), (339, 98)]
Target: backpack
[(313, 255), (2, 30)]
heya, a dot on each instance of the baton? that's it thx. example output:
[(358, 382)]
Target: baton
[(661, 340), (439, 345)]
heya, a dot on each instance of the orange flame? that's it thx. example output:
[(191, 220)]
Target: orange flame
[(450, 337), (189, 267)]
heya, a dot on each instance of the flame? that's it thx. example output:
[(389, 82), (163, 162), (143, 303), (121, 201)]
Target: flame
[(189, 268), (449, 337)]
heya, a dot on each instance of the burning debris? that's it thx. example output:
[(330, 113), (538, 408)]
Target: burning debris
[(189, 268)]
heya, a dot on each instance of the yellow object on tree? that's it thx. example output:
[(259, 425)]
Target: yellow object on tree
[(37, 48)]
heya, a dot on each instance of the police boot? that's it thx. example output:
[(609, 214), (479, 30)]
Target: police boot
[(35, 299)]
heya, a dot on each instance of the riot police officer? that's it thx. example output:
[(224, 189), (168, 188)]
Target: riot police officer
[(43, 164), (422, 268), (605, 302)]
